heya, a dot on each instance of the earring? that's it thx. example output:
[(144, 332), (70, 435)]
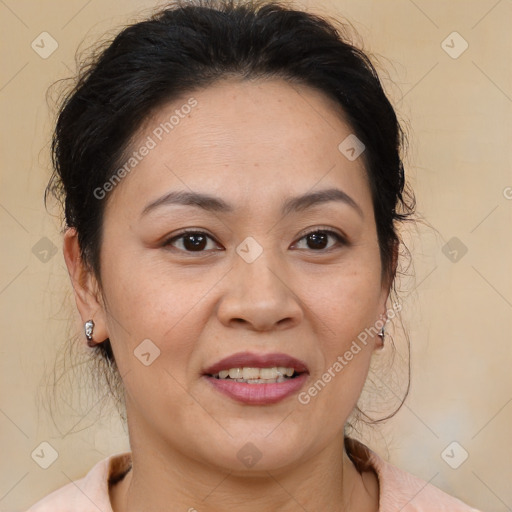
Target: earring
[(89, 326), (382, 332)]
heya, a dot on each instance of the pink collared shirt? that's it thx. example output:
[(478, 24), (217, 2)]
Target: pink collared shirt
[(399, 490)]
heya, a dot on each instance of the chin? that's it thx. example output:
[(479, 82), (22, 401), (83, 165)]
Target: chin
[(255, 454)]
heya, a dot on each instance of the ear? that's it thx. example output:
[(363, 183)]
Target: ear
[(85, 285)]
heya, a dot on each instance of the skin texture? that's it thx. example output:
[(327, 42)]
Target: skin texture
[(254, 144)]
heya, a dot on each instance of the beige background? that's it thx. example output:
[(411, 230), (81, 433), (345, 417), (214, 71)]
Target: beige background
[(459, 313)]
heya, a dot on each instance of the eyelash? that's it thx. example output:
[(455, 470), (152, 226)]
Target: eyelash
[(339, 239)]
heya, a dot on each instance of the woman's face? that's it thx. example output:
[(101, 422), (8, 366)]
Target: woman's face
[(253, 284)]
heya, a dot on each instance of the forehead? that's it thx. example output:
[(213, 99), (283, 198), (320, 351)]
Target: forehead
[(240, 139)]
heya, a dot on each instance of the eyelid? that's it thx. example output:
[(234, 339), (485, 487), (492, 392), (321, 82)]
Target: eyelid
[(325, 229), (340, 238)]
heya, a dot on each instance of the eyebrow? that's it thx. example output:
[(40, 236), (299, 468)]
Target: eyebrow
[(215, 204)]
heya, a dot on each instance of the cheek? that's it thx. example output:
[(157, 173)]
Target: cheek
[(343, 313), (145, 304), (346, 301), (345, 306), (153, 323)]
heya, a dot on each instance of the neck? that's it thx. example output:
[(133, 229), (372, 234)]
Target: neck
[(167, 480)]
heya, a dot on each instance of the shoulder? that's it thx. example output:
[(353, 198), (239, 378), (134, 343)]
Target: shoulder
[(90, 493), (400, 490)]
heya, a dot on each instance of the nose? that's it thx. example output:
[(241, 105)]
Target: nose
[(259, 297)]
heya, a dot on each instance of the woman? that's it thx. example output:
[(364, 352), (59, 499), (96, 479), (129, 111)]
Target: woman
[(232, 181)]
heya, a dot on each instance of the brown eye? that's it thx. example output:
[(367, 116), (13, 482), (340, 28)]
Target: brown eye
[(194, 242), (318, 240), (189, 241)]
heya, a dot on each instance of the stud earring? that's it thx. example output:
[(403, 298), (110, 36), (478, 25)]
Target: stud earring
[(89, 327), (382, 332)]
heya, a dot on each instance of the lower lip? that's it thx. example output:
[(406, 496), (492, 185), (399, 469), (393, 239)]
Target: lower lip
[(258, 394)]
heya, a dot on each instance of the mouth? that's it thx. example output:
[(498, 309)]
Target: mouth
[(257, 379)]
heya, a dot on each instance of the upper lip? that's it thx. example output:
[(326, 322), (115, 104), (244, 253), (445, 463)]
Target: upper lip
[(249, 359)]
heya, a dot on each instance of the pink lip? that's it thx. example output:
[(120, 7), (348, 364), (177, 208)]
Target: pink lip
[(248, 359), (257, 394)]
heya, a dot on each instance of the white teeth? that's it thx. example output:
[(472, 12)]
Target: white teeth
[(285, 371), (268, 373), (250, 373), (256, 375), (261, 381), (234, 373)]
